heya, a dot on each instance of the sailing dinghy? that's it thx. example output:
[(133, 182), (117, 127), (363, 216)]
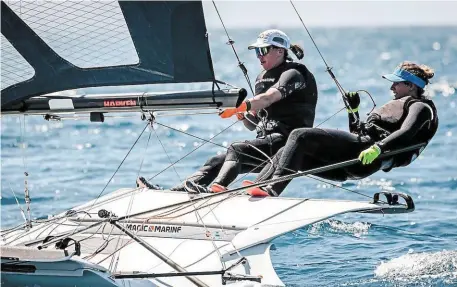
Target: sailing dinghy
[(138, 237)]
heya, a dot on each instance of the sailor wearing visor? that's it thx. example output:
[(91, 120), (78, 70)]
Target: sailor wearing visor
[(408, 119), (285, 99)]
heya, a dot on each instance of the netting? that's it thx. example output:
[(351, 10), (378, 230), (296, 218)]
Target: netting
[(14, 67), (88, 34)]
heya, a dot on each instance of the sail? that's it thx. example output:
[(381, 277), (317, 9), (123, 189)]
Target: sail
[(56, 46)]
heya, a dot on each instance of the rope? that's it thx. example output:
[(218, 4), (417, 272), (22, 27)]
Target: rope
[(195, 210), (244, 70), (231, 42), (206, 141), (328, 69), (253, 157)]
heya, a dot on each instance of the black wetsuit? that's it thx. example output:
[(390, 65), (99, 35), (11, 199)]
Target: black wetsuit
[(399, 123), (295, 109)]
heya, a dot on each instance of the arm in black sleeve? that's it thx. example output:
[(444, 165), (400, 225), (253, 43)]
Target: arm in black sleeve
[(289, 81), (419, 114), (353, 124)]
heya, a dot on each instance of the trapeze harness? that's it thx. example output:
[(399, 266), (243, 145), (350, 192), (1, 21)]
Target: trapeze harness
[(389, 118), (297, 106)]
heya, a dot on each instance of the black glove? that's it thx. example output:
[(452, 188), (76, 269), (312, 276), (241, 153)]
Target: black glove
[(353, 100)]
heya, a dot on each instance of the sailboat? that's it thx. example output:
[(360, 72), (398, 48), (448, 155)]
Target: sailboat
[(140, 236)]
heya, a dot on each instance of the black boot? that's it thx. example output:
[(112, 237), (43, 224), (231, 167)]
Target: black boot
[(192, 187), (276, 189), (143, 183), (229, 171), (195, 178)]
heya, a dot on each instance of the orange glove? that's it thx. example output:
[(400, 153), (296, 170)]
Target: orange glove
[(240, 116), (227, 113)]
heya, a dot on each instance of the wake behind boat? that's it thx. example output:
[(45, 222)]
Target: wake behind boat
[(140, 237)]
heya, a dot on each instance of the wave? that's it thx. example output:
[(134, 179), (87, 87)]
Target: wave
[(419, 266), (12, 201), (357, 229)]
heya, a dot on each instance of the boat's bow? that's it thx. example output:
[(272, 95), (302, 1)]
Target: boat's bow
[(148, 233)]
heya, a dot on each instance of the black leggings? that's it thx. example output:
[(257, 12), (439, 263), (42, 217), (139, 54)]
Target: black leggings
[(241, 157), (309, 148)]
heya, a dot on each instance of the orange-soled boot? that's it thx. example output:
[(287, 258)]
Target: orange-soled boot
[(215, 187), (254, 191)]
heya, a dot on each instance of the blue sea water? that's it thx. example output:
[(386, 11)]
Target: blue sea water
[(69, 162)]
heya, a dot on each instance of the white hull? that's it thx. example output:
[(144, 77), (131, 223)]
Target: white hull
[(224, 229)]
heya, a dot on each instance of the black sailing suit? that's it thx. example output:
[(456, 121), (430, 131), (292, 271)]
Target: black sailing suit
[(399, 123), (295, 109)]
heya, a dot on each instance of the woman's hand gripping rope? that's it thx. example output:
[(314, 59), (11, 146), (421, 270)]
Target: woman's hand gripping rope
[(370, 154), (353, 100), (244, 107)]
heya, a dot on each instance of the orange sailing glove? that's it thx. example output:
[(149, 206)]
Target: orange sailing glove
[(227, 113)]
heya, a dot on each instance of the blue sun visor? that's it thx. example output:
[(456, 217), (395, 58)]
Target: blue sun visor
[(400, 75)]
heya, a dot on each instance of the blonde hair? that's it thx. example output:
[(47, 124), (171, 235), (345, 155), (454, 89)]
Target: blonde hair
[(422, 71)]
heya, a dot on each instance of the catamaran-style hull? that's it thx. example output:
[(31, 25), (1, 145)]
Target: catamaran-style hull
[(71, 272), (166, 232)]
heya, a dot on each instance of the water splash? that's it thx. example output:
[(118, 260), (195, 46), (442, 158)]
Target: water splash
[(357, 229), (419, 266)]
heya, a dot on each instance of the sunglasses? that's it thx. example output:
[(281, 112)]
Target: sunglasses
[(262, 51)]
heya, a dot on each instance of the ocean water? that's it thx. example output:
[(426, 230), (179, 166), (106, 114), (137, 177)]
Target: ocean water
[(70, 162)]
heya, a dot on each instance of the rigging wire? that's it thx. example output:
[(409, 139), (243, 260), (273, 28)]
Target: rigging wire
[(119, 166), (140, 136), (175, 114), (247, 78), (328, 69), (26, 173), (113, 264), (374, 103), (166, 153), (195, 210), (262, 114), (186, 155), (144, 156), (18, 204), (242, 67), (208, 141), (262, 161), (270, 159), (231, 42), (115, 172)]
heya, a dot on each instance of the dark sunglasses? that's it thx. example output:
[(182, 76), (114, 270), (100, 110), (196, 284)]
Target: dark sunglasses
[(262, 51)]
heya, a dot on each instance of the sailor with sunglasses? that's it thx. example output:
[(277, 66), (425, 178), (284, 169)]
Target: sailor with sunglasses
[(408, 119), (285, 99)]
